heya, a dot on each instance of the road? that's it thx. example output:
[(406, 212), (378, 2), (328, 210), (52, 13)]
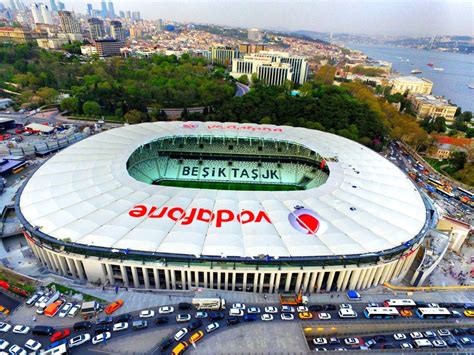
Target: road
[(172, 326)]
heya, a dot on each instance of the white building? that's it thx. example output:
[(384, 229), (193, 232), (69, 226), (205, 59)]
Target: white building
[(41, 13), (68, 22), (255, 35), (268, 72)]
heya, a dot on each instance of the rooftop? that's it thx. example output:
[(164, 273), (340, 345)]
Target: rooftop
[(412, 79), (432, 100)]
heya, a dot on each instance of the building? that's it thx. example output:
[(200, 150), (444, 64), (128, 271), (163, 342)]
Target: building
[(116, 30), (128, 15), (118, 224), (111, 11), (444, 146), (136, 32), (458, 232), (88, 50), (68, 22), (159, 25), (89, 10), (96, 28), (103, 9), (61, 6), (431, 106), (19, 35), (108, 47), (249, 48), (52, 43), (224, 55), (412, 85), (255, 35), (53, 5), (441, 151), (136, 16), (4, 103), (45, 14), (268, 72), (251, 63)]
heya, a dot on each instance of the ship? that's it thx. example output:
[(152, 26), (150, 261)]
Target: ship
[(416, 71), (471, 86), (438, 69), (430, 64)]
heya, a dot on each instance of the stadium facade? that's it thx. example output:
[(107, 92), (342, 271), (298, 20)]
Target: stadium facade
[(224, 206)]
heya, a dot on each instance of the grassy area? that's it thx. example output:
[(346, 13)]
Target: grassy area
[(71, 291), (438, 164), (96, 119), (17, 280), (228, 186)]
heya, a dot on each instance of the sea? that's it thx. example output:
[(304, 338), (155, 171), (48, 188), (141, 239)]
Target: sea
[(452, 83)]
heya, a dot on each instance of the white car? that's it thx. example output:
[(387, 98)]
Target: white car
[(320, 341), (211, 327), (267, 317), (399, 336), (20, 329), (33, 345), (345, 306), (236, 312), (347, 313), (271, 309), (287, 309), (351, 341), (180, 334), (148, 313), (165, 310), (65, 310), (253, 310), (287, 316), (41, 300), (5, 327), (439, 343), (406, 346), (444, 332), (74, 310), (324, 316), (465, 340), (120, 326), (100, 338), (79, 340), (3, 344), (183, 317), (16, 350), (238, 306), (301, 309), (201, 315), (416, 335)]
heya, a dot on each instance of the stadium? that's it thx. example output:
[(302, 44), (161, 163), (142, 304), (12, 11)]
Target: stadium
[(260, 208)]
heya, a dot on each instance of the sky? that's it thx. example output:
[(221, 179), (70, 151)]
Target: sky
[(390, 17)]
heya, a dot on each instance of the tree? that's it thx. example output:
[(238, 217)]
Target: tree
[(266, 120), (325, 74), (255, 79), (184, 114), (91, 109), (458, 160), (47, 95), (70, 104), (439, 124), (134, 117), (244, 79)]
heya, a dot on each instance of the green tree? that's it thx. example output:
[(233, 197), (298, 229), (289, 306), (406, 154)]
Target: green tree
[(134, 117), (47, 95), (91, 109), (325, 74), (70, 104), (255, 79), (266, 120), (244, 79), (458, 160)]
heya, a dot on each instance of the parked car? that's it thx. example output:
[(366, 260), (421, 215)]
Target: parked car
[(165, 345), (213, 316), (79, 340), (212, 327), (3, 344), (195, 324), (84, 325), (267, 317), (102, 328), (233, 320), (16, 350), (74, 310), (33, 345), (111, 308), (165, 310), (123, 318), (183, 317), (21, 329), (139, 324), (65, 310), (5, 327), (183, 306), (101, 338), (147, 313), (61, 334), (180, 334), (120, 326), (161, 320), (42, 330), (104, 320), (271, 309)]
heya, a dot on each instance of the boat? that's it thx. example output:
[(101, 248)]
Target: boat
[(430, 64), (438, 69), (471, 86), (416, 71)]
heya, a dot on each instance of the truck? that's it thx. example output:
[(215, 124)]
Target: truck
[(54, 297), (293, 299), (211, 304), (90, 309)]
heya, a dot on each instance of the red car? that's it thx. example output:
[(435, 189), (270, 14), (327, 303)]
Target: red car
[(60, 335)]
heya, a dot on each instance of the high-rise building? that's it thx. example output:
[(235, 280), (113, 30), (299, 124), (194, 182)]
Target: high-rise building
[(61, 6), (159, 24), (36, 12), (53, 6), (136, 32), (13, 5), (136, 16), (255, 35), (122, 14), (46, 13), (224, 55), (68, 22), (89, 10), (111, 10), (116, 30), (96, 28), (128, 15), (108, 47), (103, 9)]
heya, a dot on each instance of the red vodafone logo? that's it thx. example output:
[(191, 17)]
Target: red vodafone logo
[(306, 221)]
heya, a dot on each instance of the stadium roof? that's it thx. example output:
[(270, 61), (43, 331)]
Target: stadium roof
[(85, 194)]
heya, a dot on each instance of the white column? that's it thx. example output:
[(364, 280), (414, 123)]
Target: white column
[(262, 278), (110, 274), (386, 270), (234, 277), (219, 276), (288, 281), (244, 282), (320, 281), (378, 275), (340, 279), (183, 280), (136, 282), (189, 279), (361, 278), (211, 277), (173, 279), (272, 282), (205, 280), (226, 281), (330, 280), (312, 281), (123, 271), (146, 278), (277, 281), (298, 281), (255, 281), (79, 269), (346, 279), (156, 275), (369, 277)]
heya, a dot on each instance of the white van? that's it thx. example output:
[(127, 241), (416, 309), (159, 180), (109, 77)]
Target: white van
[(422, 343), (347, 313)]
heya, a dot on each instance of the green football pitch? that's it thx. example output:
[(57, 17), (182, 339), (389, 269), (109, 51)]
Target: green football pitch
[(227, 186)]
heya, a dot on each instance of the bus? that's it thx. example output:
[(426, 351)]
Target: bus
[(433, 313), (381, 312), (465, 192), (435, 182), (405, 303), (57, 350), (444, 193), (211, 304)]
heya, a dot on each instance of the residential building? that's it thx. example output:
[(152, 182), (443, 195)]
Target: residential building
[(19, 35), (68, 22), (108, 47), (111, 11), (52, 43), (36, 12), (248, 48), (412, 85), (458, 231), (45, 14), (224, 55), (299, 66), (128, 15), (122, 14), (89, 10), (96, 28), (159, 24), (441, 151), (136, 16), (255, 35), (431, 106), (88, 50), (136, 32), (116, 30)]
